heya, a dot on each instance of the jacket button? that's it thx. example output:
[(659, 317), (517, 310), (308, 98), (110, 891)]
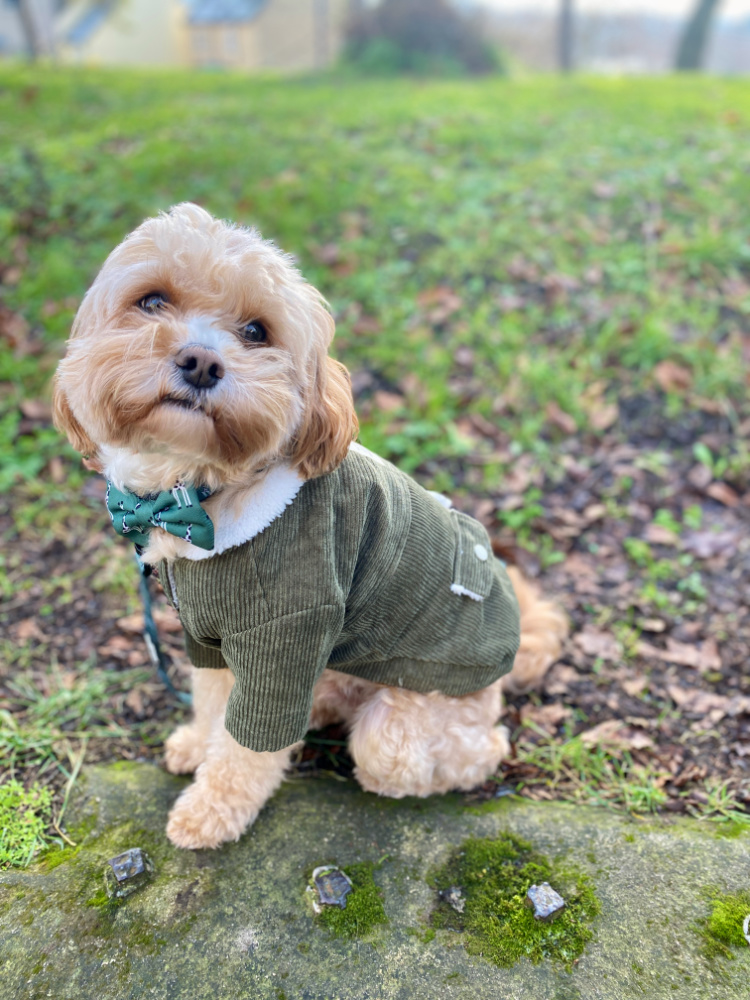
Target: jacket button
[(481, 553)]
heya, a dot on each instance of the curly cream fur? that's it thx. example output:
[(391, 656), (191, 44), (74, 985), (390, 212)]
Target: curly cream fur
[(285, 401)]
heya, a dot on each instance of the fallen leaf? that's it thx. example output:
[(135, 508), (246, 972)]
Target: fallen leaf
[(723, 493), (13, 327), (167, 620), (327, 253), (604, 190), (602, 415), (696, 701), (700, 476), (603, 645), (386, 402), (366, 324), (132, 624), (134, 701), (561, 419), (708, 544), (27, 629), (464, 356), (560, 679), (615, 733), (672, 377), (701, 656), (634, 685), (651, 624), (521, 269), (547, 717), (56, 469), (36, 409), (656, 534)]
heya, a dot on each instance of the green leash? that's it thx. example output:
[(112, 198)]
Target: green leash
[(151, 635)]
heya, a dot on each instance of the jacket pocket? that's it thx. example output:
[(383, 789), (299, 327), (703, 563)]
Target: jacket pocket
[(473, 574)]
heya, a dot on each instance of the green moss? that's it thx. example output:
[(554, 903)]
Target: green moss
[(494, 876), (78, 833), (425, 936), (364, 905), (731, 829), (722, 931)]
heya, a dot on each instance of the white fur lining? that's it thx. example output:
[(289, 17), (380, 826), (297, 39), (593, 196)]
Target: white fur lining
[(264, 504), (361, 450), (458, 588)]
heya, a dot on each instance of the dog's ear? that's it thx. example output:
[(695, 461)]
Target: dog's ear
[(330, 423), (67, 423)]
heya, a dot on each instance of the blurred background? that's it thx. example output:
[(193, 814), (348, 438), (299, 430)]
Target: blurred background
[(603, 36)]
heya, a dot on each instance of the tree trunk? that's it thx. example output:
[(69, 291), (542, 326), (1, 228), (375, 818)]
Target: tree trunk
[(565, 36), (692, 48), (36, 18)]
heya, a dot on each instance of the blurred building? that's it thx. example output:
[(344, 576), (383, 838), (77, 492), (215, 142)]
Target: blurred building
[(123, 33), (281, 35)]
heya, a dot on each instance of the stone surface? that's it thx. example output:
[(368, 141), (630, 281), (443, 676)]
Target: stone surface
[(333, 886), (127, 872), (236, 923), (454, 897), (545, 901)]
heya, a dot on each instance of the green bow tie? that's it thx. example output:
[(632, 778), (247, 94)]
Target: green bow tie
[(178, 511)]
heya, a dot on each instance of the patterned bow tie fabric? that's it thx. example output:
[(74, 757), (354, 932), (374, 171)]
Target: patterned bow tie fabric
[(177, 511)]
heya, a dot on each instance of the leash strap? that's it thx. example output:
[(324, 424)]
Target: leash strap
[(151, 635)]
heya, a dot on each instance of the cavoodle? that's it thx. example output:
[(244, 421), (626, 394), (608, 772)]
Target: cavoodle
[(314, 580)]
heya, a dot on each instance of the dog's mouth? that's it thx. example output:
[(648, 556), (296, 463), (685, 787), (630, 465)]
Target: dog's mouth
[(184, 403)]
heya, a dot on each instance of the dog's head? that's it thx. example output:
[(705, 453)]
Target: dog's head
[(200, 352)]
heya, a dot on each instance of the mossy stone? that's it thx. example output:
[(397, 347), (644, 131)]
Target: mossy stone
[(495, 875), (236, 923)]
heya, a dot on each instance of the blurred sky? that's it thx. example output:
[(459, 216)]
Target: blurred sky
[(680, 8)]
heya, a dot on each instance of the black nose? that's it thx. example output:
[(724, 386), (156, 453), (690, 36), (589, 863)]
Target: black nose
[(200, 366)]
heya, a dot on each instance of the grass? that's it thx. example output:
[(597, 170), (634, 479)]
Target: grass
[(25, 816), (498, 248), (494, 876), (487, 189), (596, 776)]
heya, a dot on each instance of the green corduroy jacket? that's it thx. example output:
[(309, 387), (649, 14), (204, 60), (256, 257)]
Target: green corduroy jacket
[(365, 572)]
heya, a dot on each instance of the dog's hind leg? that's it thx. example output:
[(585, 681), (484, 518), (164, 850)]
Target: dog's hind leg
[(186, 747), (406, 743), (337, 696), (543, 629)]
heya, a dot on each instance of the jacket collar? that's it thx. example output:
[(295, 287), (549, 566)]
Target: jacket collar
[(262, 505)]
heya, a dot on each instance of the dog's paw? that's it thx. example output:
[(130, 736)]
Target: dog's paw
[(197, 821), (184, 751)]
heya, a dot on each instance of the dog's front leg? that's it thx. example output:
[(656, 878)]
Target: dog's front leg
[(187, 747), (231, 786)]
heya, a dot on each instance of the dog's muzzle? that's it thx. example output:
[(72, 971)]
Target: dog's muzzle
[(199, 366)]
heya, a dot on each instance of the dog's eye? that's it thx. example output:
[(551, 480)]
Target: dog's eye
[(254, 333), (152, 302)]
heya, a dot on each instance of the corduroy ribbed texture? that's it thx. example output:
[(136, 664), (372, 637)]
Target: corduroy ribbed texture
[(354, 575)]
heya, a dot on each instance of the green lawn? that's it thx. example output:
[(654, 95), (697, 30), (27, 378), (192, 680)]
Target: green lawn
[(526, 275), (589, 228)]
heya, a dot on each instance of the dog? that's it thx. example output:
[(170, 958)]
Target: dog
[(199, 360)]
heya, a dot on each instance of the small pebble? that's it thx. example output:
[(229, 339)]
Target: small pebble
[(454, 897), (546, 902), (333, 886), (127, 872)]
